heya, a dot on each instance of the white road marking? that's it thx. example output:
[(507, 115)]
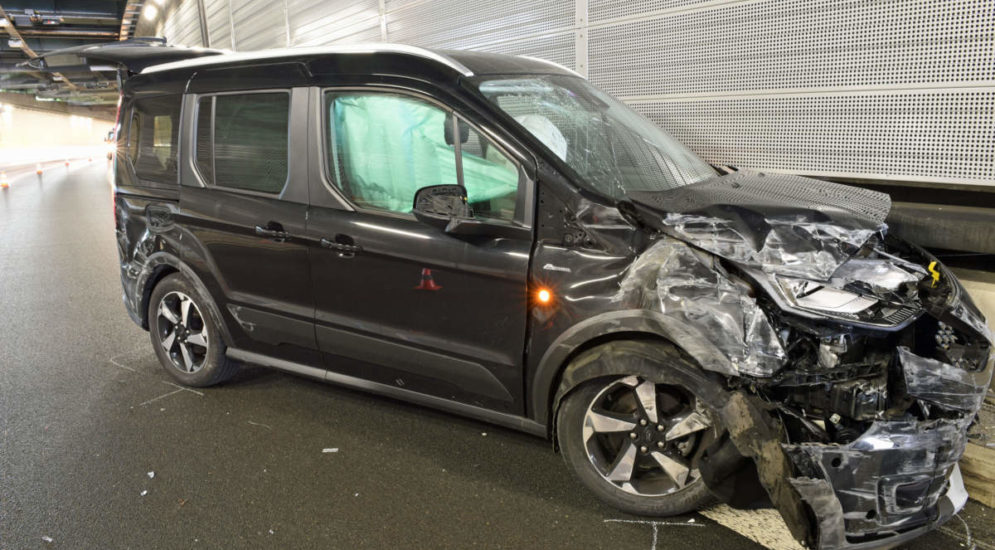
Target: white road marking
[(968, 541), (765, 527), (184, 388), (154, 399), (655, 525)]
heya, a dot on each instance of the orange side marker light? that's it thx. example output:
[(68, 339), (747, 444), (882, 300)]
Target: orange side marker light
[(544, 296)]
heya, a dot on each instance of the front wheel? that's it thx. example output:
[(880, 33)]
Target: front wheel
[(636, 444), (185, 336)]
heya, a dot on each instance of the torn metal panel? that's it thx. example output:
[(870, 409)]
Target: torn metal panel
[(691, 287), (943, 384), (792, 246)]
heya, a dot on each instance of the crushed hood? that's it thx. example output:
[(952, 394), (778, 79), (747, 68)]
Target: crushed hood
[(785, 225)]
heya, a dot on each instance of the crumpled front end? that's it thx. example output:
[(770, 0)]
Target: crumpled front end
[(861, 355)]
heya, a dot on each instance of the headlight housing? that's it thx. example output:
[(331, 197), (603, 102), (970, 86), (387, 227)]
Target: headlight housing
[(816, 299)]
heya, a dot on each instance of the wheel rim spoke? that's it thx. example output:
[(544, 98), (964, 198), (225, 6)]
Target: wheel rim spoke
[(687, 424), (605, 422), (167, 342), (199, 339), (646, 393), (168, 313), (187, 356), (675, 469), (185, 304), (621, 470)]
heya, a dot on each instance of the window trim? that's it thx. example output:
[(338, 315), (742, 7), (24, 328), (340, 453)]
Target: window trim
[(214, 162), (525, 183)]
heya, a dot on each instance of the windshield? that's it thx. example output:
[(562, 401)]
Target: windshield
[(612, 148)]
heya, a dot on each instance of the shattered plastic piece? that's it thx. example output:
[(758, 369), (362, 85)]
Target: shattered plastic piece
[(330, 450), (144, 492), (882, 276), (47, 539), (151, 475), (943, 384), (694, 289)]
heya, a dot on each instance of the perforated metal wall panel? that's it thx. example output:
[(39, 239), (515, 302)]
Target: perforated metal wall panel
[(184, 24), (333, 21), (218, 23), (457, 23), (888, 89), (939, 136), (259, 24)]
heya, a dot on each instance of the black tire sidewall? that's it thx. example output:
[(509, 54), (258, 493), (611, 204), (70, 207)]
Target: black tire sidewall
[(215, 361), (569, 435)]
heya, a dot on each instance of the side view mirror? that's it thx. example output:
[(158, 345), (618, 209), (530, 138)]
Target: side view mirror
[(438, 205), (445, 207)]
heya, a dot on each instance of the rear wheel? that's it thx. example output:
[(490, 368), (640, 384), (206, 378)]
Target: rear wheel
[(636, 444), (185, 337)]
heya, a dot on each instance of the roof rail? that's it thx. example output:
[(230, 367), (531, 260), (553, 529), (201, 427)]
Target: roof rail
[(320, 50), (553, 63)]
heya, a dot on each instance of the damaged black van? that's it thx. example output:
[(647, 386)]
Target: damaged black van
[(494, 236)]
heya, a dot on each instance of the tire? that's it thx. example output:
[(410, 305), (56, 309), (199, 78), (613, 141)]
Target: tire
[(186, 338), (600, 427)]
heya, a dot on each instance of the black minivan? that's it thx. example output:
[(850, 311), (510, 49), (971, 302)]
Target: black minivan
[(494, 236)]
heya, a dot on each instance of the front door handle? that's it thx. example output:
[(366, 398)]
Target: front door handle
[(273, 230), (343, 244)]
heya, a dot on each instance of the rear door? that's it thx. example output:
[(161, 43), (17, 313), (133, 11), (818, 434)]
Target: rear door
[(244, 203), (400, 302)]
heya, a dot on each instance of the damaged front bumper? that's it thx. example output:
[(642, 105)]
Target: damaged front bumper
[(895, 481)]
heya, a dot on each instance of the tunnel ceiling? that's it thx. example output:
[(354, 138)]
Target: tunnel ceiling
[(32, 28)]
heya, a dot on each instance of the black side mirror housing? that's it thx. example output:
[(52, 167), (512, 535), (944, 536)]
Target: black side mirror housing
[(445, 207), (438, 205)]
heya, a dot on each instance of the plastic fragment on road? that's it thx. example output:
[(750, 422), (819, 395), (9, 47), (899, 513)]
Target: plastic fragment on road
[(47, 539), (151, 475), (144, 492), (330, 450)]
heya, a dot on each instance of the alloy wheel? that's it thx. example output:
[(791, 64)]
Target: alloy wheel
[(646, 438), (182, 332)]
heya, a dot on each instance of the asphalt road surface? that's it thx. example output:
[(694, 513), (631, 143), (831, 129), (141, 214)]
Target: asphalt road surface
[(99, 449)]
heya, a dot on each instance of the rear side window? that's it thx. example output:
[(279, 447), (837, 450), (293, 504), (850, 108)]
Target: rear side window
[(153, 139), (246, 147)]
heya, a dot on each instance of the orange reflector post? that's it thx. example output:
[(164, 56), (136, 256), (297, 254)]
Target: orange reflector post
[(3, 180), (38, 169)]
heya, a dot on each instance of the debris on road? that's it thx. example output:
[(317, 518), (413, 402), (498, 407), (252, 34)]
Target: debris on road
[(330, 450)]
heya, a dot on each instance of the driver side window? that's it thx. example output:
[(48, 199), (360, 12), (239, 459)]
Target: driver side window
[(383, 147)]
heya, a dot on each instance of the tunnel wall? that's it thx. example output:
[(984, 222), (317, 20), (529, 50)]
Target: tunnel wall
[(29, 135), (866, 89)]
